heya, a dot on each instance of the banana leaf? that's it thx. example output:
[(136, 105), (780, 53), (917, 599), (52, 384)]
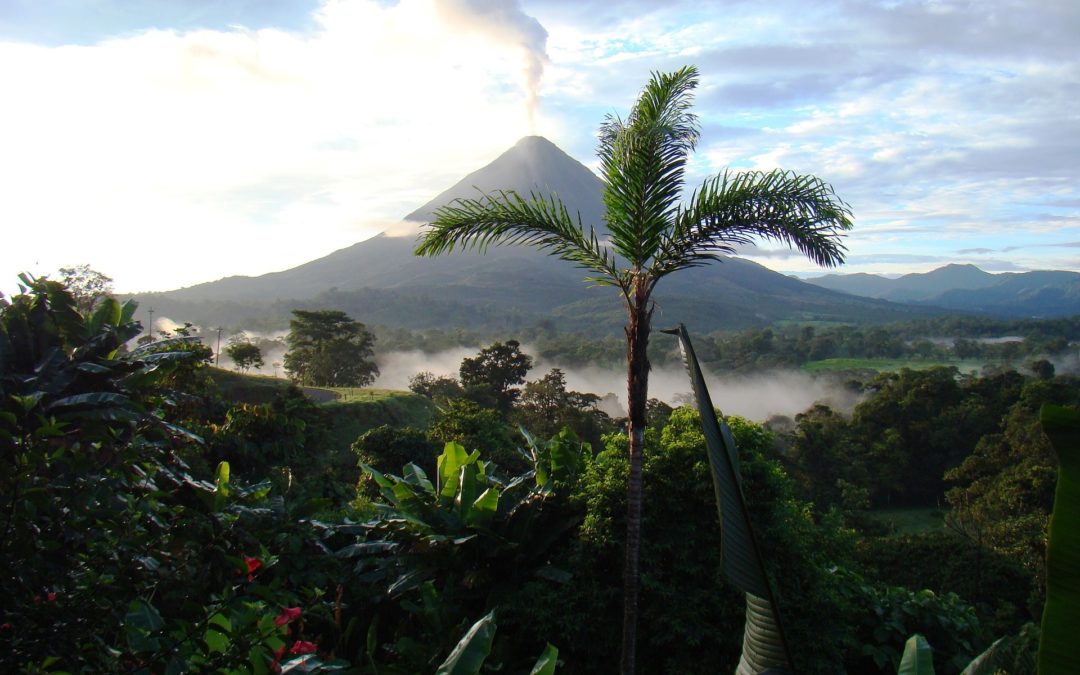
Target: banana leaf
[(1058, 650), (986, 663), (473, 649), (764, 644), (549, 659), (918, 658)]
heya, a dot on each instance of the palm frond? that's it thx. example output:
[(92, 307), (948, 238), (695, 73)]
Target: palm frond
[(505, 217), (643, 160), (734, 208)]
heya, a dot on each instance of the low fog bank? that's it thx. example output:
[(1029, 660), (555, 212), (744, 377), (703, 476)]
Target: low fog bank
[(272, 344), (395, 368), (755, 397)]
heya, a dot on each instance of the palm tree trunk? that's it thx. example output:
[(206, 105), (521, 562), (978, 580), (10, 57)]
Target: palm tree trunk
[(637, 358)]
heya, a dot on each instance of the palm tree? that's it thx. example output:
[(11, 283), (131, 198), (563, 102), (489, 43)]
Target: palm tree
[(652, 234)]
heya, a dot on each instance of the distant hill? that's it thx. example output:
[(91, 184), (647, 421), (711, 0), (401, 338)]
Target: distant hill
[(380, 282), (970, 289)]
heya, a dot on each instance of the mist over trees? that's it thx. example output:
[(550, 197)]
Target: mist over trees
[(244, 353)]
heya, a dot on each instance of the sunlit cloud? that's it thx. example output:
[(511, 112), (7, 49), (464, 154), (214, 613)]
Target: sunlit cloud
[(196, 146), (170, 148)]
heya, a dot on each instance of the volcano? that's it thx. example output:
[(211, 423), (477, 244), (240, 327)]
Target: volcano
[(379, 281)]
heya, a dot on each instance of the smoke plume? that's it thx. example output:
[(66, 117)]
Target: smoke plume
[(506, 22)]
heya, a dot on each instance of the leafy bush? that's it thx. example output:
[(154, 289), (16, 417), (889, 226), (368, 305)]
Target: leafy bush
[(883, 617), (995, 585), (118, 555), (386, 447)]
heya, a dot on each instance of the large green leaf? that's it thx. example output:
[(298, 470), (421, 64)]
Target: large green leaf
[(222, 488), (545, 665), (469, 488), (918, 658), (471, 651), (985, 663), (451, 460), (764, 645), (141, 623), (97, 398), (218, 634), (483, 509), (566, 453), (108, 312), (1058, 647)]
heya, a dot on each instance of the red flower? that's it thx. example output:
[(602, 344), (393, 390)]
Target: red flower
[(288, 614), (252, 565), (303, 647), (278, 653), (5, 626), (50, 596)]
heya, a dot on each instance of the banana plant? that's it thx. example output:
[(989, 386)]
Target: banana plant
[(1058, 652), (445, 546), (764, 644), (472, 650)]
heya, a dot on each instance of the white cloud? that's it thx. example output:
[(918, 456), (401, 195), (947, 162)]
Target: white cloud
[(202, 154)]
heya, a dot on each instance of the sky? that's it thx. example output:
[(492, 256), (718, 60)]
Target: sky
[(171, 142)]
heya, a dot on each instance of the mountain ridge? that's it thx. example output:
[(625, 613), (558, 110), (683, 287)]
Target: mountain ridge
[(371, 278), (967, 288)]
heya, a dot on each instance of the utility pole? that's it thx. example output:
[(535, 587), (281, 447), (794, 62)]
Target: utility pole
[(217, 352), (150, 328)]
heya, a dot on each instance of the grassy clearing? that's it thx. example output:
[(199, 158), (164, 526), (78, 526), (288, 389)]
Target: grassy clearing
[(361, 410), (918, 520), (246, 388), (814, 323), (351, 410), (354, 394), (888, 365)]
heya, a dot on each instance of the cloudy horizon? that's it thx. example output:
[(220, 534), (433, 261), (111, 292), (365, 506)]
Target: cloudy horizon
[(171, 143)]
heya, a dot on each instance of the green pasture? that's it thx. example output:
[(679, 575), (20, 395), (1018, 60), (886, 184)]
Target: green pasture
[(889, 365)]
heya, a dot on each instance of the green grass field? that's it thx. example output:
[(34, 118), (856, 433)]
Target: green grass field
[(347, 394), (888, 365), (245, 387), (351, 410), (360, 410)]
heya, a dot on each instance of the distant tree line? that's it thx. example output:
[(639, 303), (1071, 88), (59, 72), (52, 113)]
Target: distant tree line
[(944, 339)]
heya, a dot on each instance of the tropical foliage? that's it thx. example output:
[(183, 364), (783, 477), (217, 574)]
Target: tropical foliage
[(156, 526), (121, 554)]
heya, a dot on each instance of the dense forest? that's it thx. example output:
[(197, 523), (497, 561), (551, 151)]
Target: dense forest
[(162, 515)]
